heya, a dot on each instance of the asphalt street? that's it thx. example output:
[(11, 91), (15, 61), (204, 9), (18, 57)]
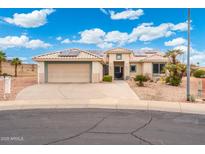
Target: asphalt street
[(100, 126)]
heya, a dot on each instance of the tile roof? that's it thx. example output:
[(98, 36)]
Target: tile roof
[(149, 57), (119, 50), (65, 56), (157, 57), (96, 55)]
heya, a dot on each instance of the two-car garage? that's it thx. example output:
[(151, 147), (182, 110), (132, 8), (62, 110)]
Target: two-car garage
[(69, 66), (68, 72)]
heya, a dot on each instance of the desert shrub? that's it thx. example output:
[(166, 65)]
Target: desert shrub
[(192, 98), (162, 79), (199, 73), (173, 80), (192, 70), (107, 78), (140, 79)]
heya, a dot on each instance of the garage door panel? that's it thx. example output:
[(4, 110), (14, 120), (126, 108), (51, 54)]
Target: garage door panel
[(68, 73)]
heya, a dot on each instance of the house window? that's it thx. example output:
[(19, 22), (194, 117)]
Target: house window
[(158, 68), (132, 68), (119, 56)]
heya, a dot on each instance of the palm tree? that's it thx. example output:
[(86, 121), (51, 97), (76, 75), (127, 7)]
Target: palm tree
[(16, 62), (174, 67), (172, 55), (2, 58)]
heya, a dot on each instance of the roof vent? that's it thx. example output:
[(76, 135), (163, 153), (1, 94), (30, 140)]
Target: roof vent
[(70, 53)]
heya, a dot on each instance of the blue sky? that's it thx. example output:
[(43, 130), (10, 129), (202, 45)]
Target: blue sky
[(25, 33)]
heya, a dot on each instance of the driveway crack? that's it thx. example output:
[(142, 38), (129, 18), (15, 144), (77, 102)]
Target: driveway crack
[(132, 133), (142, 127), (81, 133), (59, 90), (107, 133)]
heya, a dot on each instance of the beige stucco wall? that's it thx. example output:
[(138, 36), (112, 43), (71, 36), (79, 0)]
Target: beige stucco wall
[(147, 69), (41, 72), (138, 69), (125, 59), (97, 72)]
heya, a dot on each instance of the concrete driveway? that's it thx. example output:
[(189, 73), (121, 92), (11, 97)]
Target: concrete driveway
[(115, 90)]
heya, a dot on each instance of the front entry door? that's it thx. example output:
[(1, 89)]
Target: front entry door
[(118, 71)]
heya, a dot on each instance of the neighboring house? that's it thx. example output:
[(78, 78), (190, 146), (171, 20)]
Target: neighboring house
[(76, 66)]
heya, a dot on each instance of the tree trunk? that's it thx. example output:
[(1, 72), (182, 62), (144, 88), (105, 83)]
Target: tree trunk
[(15, 70), (0, 67)]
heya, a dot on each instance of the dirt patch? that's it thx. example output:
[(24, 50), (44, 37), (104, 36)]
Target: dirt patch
[(17, 85), (163, 92)]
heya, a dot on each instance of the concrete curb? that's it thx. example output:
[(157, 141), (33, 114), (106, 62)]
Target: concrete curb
[(108, 103)]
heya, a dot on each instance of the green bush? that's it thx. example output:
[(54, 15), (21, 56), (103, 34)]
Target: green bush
[(140, 79), (199, 73), (173, 80), (107, 78)]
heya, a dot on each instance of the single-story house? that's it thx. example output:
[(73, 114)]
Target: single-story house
[(82, 66)]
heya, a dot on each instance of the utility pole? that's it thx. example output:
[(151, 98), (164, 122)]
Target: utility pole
[(188, 58)]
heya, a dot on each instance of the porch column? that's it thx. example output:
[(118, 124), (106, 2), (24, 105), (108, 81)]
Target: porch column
[(41, 72), (111, 69), (126, 70)]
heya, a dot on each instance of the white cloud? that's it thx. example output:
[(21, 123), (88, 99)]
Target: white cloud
[(127, 14), (181, 26), (117, 37), (66, 41), (34, 19), (182, 47), (145, 32), (148, 32), (176, 42), (146, 48), (195, 55), (21, 41), (104, 11), (105, 45), (59, 38), (34, 44), (92, 36)]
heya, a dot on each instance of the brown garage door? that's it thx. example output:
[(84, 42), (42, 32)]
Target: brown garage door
[(74, 73)]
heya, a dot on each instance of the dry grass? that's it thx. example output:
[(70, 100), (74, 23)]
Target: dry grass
[(17, 85), (163, 92)]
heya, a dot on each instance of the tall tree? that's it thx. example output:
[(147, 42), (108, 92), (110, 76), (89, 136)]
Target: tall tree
[(172, 55), (2, 58), (174, 68), (16, 62)]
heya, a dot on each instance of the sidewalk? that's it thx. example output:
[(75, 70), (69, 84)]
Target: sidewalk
[(108, 103)]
